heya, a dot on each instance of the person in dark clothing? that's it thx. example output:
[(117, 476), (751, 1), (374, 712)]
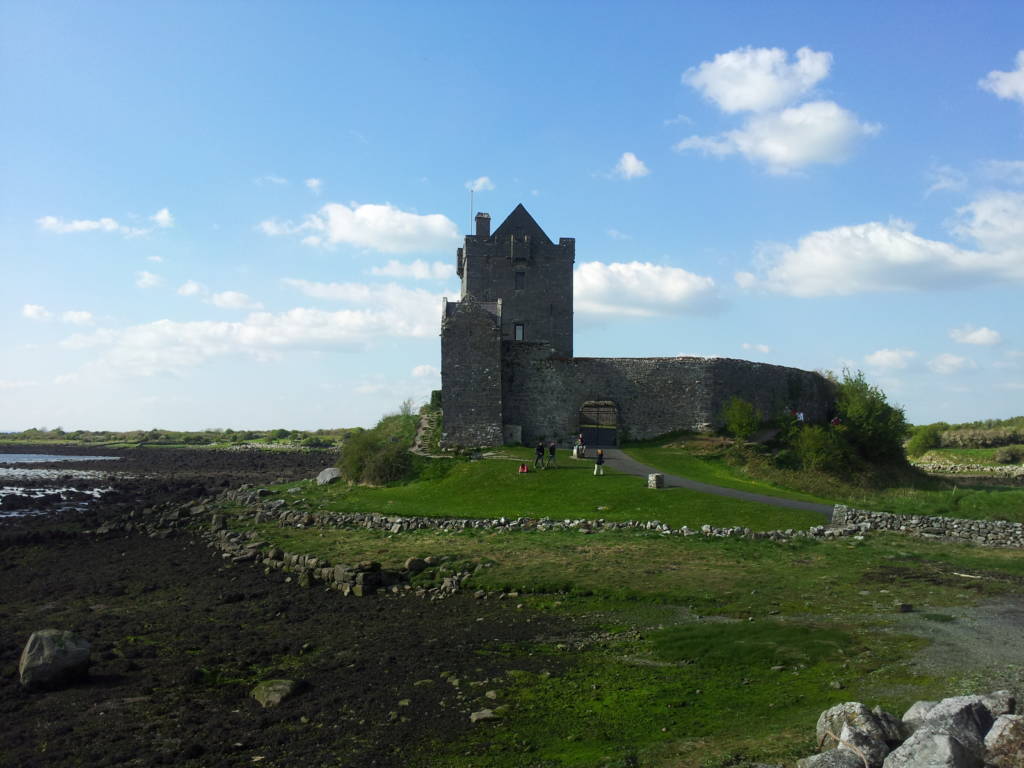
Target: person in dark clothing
[(599, 463), (538, 462), (551, 453)]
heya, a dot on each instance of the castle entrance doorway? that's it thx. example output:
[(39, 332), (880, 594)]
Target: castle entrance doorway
[(599, 424)]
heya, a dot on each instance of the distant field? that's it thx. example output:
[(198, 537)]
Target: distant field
[(984, 456)]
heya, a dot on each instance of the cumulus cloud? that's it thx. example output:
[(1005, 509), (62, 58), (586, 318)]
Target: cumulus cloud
[(146, 279), (315, 185), (641, 289), (481, 184), (234, 300), (155, 259), (190, 288), (163, 218), (1006, 85), (891, 257), (414, 311), (944, 178), (417, 270), (425, 372), (762, 348), (890, 359), (947, 364), (786, 141), (35, 312), (378, 227), (630, 167), (77, 317), (782, 137), (983, 336), (270, 179), (758, 79)]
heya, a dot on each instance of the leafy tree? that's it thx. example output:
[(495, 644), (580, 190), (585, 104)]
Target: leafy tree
[(925, 439), (822, 449), (741, 418), (873, 427)]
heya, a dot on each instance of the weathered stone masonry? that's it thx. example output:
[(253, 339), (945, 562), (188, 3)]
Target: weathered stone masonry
[(508, 374)]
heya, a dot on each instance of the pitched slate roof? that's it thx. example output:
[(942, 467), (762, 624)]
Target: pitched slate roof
[(520, 222)]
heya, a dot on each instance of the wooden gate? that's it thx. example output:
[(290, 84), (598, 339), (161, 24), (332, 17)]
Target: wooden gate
[(599, 424)]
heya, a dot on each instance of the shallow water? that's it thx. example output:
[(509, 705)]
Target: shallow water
[(41, 458), (33, 483)]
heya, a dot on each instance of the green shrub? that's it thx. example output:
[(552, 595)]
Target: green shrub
[(924, 439), (822, 449), (380, 456), (1010, 454), (873, 427), (741, 418)]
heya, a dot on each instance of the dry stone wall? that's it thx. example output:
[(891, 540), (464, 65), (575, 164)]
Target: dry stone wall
[(991, 533)]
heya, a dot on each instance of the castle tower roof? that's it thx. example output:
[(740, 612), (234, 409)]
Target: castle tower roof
[(520, 222)]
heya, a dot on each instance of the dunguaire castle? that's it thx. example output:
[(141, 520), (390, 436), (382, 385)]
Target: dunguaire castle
[(508, 374)]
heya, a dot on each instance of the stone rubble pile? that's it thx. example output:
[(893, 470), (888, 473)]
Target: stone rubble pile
[(959, 732), (991, 533), (1010, 470)]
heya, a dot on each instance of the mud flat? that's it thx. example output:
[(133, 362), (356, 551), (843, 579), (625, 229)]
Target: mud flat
[(180, 638)]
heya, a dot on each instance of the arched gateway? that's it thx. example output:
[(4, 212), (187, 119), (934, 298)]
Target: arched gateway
[(599, 423)]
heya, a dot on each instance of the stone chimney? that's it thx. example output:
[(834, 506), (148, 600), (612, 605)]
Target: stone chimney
[(483, 225)]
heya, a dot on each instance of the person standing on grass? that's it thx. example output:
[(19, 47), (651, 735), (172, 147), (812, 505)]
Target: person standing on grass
[(599, 463), (551, 453), (538, 462)]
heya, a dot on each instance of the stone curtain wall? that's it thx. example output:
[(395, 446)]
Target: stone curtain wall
[(991, 533), (656, 395), (470, 376)]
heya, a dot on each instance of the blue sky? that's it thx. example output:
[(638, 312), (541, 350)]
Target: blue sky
[(246, 214)]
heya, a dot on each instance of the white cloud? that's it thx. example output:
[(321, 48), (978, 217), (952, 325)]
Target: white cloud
[(481, 184), (425, 372), (786, 141), (155, 259), (35, 312), (983, 336), (890, 359), (9, 384), (378, 227), (163, 218), (614, 234), (77, 317), (316, 185), (417, 270), (630, 167), (758, 79), (1011, 171), (145, 279), (890, 257), (190, 288), (641, 290), (234, 300), (762, 348), (271, 179), (947, 364), (166, 346), (678, 120), (945, 178), (1006, 85)]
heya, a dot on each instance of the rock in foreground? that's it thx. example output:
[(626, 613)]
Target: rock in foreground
[(53, 658)]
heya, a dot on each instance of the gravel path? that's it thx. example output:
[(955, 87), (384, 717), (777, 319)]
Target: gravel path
[(623, 463)]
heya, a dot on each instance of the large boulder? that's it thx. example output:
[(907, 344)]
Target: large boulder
[(1000, 703), (53, 658), (1004, 743), (859, 718), (966, 718), (930, 747), (914, 717), (329, 475), (270, 693), (893, 728), (869, 747)]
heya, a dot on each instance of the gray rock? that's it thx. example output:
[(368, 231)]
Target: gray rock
[(483, 714), (1004, 743), (852, 713), (329, 475), (415, 564), (895, 731), (833, 758), (53, 658), (871, 748), (1000, 703), (914, 717), (930, 747), (270, 693), (655, 480), (966, 718)]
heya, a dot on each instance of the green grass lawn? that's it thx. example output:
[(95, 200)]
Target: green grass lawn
[(983, 456), (492, 488)]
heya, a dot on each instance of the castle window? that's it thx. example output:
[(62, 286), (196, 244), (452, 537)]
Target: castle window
[(520, 281), (520, 332)]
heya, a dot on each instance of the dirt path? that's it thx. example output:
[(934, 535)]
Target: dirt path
[(630, 466)]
